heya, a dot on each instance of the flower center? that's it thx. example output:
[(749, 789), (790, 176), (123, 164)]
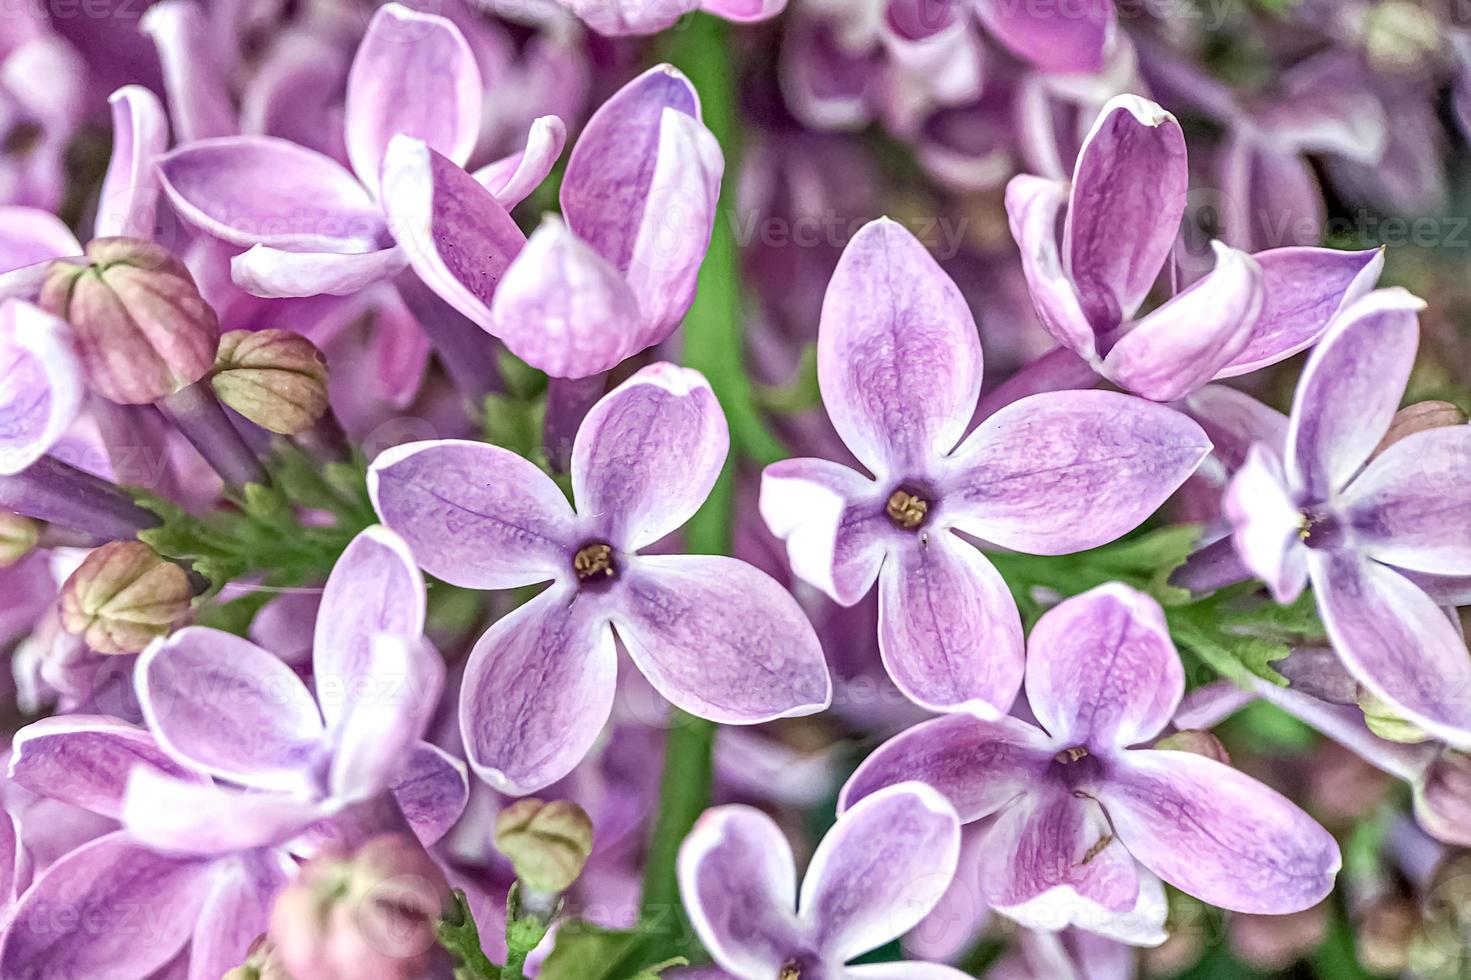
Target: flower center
[(594, 563), (907, 509), (1320, 529), (1070, 755), (790, 970)]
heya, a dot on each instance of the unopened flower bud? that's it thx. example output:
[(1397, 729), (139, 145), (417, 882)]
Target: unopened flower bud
[(1384, 935), (142, 329), (372, 913), (1196, 743), (548, 843), (275, 378), (1418, 418), (1386, 723), (1443, 798), (123, 596), (261, 963), (1400, 35), (18, 536), (1442, 948)]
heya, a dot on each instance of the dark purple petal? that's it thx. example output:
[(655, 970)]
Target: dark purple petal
[(431, 790), (1074, 40)]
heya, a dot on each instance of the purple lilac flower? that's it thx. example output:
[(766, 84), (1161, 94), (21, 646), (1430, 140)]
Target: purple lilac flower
[(876, 874), (899, 364), (1370, 535), (714, 635), (618, 18), (1119, 221), (1085, 823)]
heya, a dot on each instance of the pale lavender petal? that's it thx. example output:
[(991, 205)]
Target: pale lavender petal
[(880, 870), (313, 204), (128, 203), (980, 766), (85, 760), (236, 912), (456, 234), (374, 588), (1183, 344), (537, 689), (390, 701), (1396, 641), (1049, 857), (41, 383), (739, 885), (1405, 509), (431, 789), (905, 971), (225, 706), (647, 454), (744, 11), (1033, 207), (1350, 390), (949, 631), (1065, 471), (625, 18), (179, 817), (278, 274), (414, 75), (1101, 669), (511, 179), (1266, 524), (475, 515), (140, 908), (1127, 202), (1235, 421), (935, 44), (832, 523), (563, 309), (198, 100), (29, 239), (1304, 288), (1056, 40), (898, 356), (1219, 835), (720, 639)]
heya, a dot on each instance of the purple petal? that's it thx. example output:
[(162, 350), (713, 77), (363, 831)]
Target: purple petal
[(1305, 289), (1400, 508), (190, 818), (1033, 206), (414, 75), (980, 766), (30, 239), (1127, 201), (637, 17), (236, 912), (831, 521), (898, 356), (41, 383), (391, 701), (278, 274), (949, 631), (431, 790), (457, 236), (249, 190), (139, 908), (1065, 471), (1075, 41), (1183, 344), (739, 885), (1235, 421), (537, 689), (128, 204), (475, 515), (563, 309), (744, 11), (647, 454), (1102, 670), (1350, 390), (1219, 835), (225, 706), (1396, 641), (374, 588), (905, 971), (511, 179), (721, 639), (198, 101), (880, 869), (85, 760), (1266, 524)]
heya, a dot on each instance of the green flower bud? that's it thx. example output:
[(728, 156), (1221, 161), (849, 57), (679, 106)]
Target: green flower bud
[(17, 537), (142, 329), (275, 378), (1384, 722), (123, 597), (548, 843)]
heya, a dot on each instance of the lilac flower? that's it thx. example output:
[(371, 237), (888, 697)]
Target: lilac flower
[(714, 636), (899, 364), (1084, 822), (619, 18), (1123, 213), (876, 874), (41, 383), (1371, 536)]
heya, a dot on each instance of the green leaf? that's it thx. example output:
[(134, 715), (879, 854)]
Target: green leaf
[(515, 424), (459, 936), (588, 952), (1201, 628), (801, 394)]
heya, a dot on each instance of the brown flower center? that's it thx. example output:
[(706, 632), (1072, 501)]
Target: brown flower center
[(594, 563), (1070, 755), (790, 970), (907, 510)]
